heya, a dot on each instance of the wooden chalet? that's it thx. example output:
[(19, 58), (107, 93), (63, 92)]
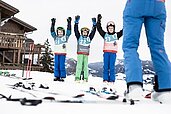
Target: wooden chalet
[(14, 45)]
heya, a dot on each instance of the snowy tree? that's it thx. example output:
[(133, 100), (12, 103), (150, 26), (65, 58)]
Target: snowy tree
[(47, 58)]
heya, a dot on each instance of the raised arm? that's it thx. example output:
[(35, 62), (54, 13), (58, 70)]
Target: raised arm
[(77, 33), (119, 34), (68, 33), (93, 31), (99, 27), (52, 29)]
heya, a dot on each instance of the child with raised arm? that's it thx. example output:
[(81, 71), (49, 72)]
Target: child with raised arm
[(83, 47), (60, 40), (110, 49)]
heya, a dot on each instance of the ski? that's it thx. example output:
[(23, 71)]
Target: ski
[(35, 102), (131, 101), (103, 94), (13, 76), (42, 90), (78, 95), (142, 101)]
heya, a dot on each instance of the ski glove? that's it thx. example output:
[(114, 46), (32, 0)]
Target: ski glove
[(69, 19), (94, 21), (77, 18), (53, 20), (99, 17)]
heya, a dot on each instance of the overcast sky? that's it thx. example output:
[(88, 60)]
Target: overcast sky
[(38, 13)]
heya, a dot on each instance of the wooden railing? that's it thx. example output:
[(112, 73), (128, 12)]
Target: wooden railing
[(10, 40)]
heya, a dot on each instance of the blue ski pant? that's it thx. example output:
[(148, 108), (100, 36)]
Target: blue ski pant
[(59, 66), (152, 14), (109, 66)]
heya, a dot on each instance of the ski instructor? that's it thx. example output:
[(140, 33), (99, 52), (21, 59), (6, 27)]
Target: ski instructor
[(152, 14)]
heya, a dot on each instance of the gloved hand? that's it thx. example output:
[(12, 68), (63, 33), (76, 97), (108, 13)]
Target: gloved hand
[(69, 19), (53, 20), (99, 17), (77, 18), (94, 21)]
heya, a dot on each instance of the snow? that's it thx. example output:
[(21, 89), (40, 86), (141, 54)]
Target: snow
[(66, 90)]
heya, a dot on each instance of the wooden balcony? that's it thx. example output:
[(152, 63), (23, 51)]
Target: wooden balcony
[(12, 51), (11, 41)]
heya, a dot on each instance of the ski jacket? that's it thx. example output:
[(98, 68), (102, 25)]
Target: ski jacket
[(61, 42), (110, 43), (83, 43), (110, 40)]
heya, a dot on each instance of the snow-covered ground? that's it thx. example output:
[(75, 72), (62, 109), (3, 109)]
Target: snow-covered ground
[(65, 91)]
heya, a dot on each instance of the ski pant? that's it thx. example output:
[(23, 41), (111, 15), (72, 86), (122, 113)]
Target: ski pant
[(152, 14), (109, 66), (82, 66), (59, 66)]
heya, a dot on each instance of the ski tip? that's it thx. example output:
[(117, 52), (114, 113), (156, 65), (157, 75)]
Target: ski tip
[(113, 97), (30, 102), (43, 87), (148, 96), (27, 78), (79, 95), (49, 98)]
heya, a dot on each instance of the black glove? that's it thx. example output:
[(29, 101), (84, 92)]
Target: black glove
[(69, 19), (53, 24), (94, 21), (53, 20), (99, 17), (77, 18)]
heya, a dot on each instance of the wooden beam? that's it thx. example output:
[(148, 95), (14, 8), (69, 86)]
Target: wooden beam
[(18, 60), (0, 20), (3, 57), (38, 58), (14, 55)]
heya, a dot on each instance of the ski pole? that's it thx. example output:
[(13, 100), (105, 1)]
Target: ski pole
[(31, 59)]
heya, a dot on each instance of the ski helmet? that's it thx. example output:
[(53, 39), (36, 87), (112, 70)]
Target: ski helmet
[(85, 29), (60, 28), (110, 23)]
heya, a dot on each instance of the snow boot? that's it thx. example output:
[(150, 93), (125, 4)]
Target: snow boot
[(56, 79), (61, 80), (162, 97), (134, 92)]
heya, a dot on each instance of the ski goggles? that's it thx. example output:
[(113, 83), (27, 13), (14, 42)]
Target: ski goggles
[(60, 28), (85, 29), (110, 23)]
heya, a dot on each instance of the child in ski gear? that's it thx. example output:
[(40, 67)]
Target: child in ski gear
[(152, 14), (110, 48), (83, 47), (60, 39)]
